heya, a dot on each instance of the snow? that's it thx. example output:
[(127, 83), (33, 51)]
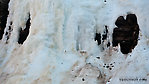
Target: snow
[(60, 48)]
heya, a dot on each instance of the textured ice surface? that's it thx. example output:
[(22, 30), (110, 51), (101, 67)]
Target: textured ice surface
[(60, 47)]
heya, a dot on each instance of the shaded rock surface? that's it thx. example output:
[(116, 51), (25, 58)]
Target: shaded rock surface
[(126, 34), (3, 16)]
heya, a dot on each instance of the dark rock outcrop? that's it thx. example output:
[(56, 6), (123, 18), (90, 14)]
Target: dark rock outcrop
[(98, 38), (3, 16), (126, 34), (24, 33)]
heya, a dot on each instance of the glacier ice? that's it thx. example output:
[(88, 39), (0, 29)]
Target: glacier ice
[(60, 47)]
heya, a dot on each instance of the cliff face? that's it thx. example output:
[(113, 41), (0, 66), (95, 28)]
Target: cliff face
[(74, 42), (3, 15)]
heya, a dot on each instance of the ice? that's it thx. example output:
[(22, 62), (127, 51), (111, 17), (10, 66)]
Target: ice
[(60, 47)]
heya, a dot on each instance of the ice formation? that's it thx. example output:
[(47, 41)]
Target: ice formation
[(61, 47)]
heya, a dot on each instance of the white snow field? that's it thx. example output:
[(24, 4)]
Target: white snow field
[(60, 47)]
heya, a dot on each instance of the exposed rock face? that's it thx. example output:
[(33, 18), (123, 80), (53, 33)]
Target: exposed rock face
[(24, 33), (126, 33), (3, 16), (98, 38)]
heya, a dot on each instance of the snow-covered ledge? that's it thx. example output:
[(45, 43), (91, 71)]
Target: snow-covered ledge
[(60, 46)]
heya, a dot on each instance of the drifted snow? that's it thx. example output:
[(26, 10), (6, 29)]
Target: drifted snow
[(60, 48)]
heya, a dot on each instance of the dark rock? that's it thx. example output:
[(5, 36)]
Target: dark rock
[(3, 16), (127, 33), (24, 33), (98, 38), (104, 36), (83, 79), (108, 44), (107, 66), (120, 21)]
